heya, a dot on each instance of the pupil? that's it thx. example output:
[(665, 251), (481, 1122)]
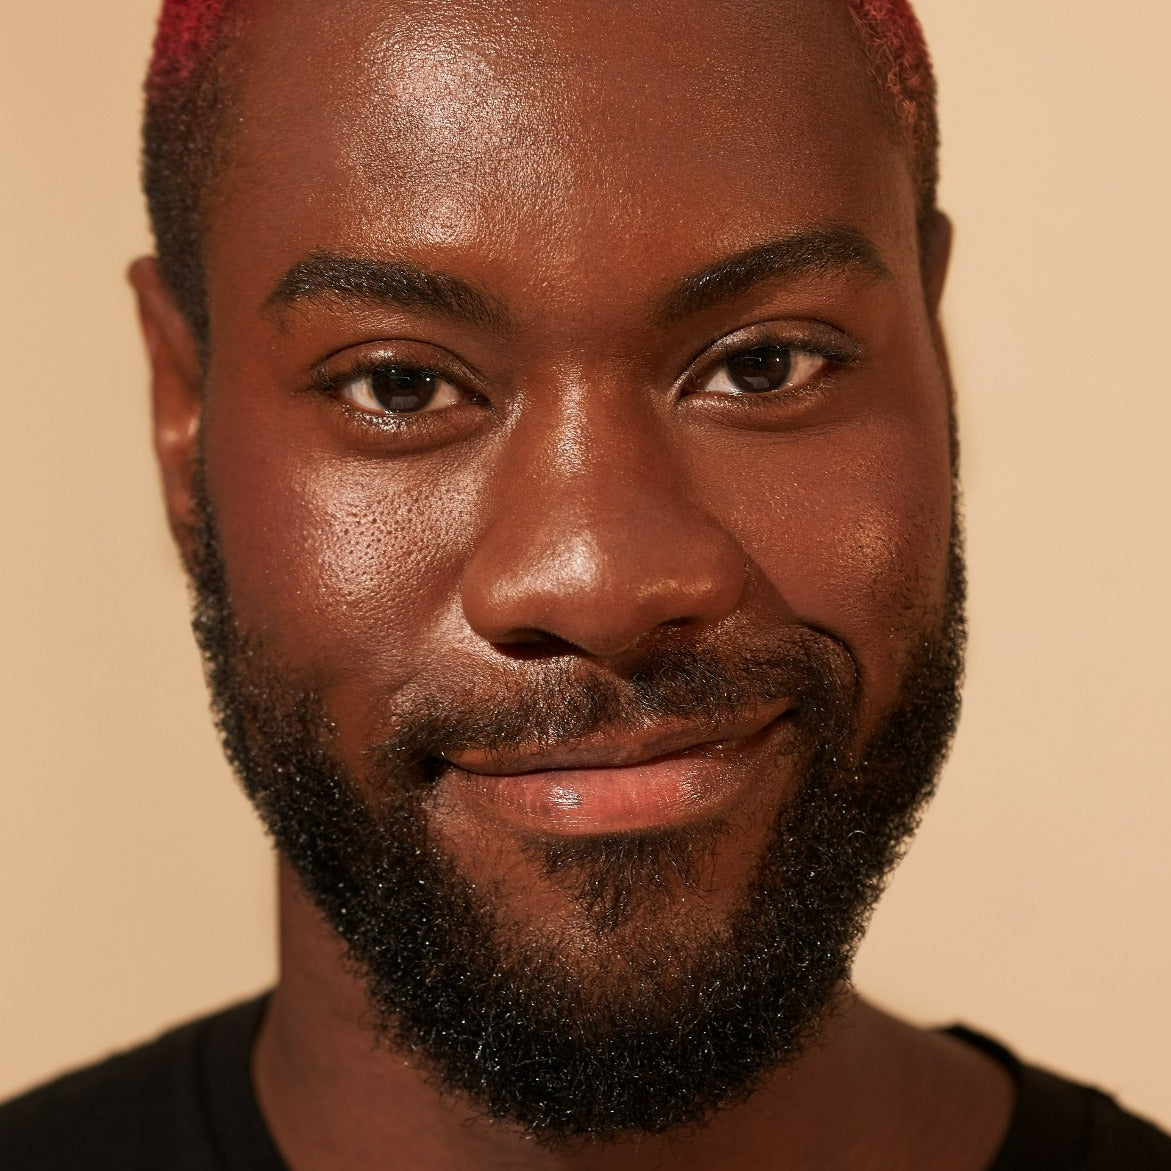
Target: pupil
[(767, 368), (402, 389)]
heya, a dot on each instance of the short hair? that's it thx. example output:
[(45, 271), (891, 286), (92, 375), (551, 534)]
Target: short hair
[(187, 96)]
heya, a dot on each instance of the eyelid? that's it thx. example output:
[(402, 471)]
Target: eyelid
[(815, 337), (390, 350), (810, 338), (344, 366), (386, 432), (329, 381)]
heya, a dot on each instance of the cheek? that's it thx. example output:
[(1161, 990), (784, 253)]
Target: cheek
[(851, 535), (346, 567)]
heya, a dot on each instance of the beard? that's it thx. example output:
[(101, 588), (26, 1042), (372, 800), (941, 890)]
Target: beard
[(645, 1021)]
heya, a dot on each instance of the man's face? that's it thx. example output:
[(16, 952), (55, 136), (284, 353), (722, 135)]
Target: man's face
[(576, 481)]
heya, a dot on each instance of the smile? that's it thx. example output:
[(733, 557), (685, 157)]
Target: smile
[(660, 779)]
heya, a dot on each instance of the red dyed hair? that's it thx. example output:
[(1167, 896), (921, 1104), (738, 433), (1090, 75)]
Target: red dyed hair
[(902, 67), (187, 31)]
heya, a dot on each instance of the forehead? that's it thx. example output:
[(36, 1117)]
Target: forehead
[(541, 139)]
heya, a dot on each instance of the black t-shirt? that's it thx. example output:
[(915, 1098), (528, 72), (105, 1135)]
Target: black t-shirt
[(185, 1103)]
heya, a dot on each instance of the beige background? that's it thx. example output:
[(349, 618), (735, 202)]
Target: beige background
[(135, 888)]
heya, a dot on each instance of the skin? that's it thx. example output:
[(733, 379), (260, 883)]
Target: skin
[(597, 492)]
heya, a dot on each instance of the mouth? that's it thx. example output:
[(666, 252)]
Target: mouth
[(651, 779)]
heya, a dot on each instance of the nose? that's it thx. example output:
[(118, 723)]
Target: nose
[(597, 547)]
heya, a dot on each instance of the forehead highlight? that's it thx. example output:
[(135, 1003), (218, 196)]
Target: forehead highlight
[(188, 31)]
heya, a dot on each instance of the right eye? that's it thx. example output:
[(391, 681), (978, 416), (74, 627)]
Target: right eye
[(390, 389)]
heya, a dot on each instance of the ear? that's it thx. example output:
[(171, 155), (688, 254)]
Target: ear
[(176, 395), (938, 244)]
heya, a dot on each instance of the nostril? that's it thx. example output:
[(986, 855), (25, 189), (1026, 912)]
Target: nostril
[(534, 644), (558, 578)]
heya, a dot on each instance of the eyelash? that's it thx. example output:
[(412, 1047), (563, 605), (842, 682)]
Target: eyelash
[(329, 382), (842, 353)]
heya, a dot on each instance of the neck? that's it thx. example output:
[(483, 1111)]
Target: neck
[(869, 1092)]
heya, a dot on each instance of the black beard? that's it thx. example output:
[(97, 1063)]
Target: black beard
[(651, 1030)]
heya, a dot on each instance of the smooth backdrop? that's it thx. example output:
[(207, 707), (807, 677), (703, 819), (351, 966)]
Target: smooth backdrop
[(135, 888)]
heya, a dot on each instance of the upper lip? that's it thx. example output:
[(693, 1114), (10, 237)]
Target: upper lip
[(612, 749)]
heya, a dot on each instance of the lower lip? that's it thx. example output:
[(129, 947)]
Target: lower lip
[(673, 791)]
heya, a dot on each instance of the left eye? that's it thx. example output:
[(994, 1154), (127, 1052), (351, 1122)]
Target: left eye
[(399, 390), (762, 369)]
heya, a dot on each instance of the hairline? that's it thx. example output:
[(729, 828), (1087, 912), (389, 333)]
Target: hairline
[(213, 86)]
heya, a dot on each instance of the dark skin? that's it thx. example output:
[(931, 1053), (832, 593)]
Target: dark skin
[(585, 480)]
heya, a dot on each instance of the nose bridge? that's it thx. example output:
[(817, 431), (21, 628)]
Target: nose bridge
[(594, 537)]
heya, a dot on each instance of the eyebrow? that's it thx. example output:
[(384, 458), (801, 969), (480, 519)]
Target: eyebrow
[(396, 283), (828, 251), (823, 251)]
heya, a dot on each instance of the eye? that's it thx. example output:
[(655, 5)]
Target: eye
[(763, 369), (388, 389)]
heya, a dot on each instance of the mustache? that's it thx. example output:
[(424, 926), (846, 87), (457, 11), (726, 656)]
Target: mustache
[(557, 702), (565, 701)]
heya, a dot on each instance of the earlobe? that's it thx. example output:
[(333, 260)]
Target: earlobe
[(176, 395)]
